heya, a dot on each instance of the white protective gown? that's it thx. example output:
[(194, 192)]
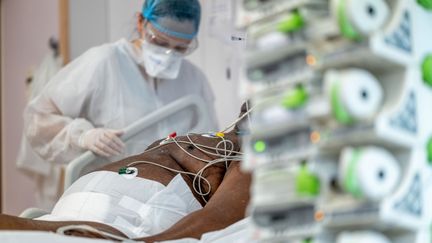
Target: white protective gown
[(103, 88)]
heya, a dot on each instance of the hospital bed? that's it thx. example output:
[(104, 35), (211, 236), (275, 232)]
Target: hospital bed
[(76, 167), (237, 232)]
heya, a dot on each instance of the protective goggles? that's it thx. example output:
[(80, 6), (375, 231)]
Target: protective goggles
[(172, 47)]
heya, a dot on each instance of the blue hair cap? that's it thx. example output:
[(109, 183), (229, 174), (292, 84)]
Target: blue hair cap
[(178, 10)]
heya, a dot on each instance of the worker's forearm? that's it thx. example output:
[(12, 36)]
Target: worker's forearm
[(192, 226)]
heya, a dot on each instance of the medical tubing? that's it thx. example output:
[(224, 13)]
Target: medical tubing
[(217, 149), (225, 157), (170, 169), (238, 119), (198, 177), (197, 146)]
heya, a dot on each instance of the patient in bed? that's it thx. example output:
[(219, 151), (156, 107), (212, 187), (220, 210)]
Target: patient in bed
[(179, 187)]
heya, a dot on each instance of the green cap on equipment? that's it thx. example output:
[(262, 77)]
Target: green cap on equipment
[(427, 4), (295, 98), (338, 109), (307, 184), (427, 69), (260, 146), (291, 23), (345, 26)]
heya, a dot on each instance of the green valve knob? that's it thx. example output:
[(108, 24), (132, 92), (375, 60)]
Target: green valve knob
[(339, 110), (295, 98), (291, 23), (260, 146), (427, 69), (427, 4), (429, 151), (345, 26), (307, 184)]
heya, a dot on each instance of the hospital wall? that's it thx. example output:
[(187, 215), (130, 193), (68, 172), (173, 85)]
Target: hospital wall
[(27, 26)]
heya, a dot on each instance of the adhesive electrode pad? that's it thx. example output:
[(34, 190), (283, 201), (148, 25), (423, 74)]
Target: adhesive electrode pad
[(354, 94), (369, 172), (128, 172)]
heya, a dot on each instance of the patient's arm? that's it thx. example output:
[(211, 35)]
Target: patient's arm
[(226, 206)]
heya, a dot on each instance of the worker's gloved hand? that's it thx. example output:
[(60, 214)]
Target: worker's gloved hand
[(104, 142)]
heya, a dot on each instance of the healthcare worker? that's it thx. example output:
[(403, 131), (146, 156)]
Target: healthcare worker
[(88, 103)]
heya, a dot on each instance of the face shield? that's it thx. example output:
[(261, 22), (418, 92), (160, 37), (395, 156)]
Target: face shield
[(167, 44)]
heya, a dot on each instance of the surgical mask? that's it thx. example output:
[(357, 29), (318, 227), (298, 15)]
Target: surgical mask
[(160, 62)]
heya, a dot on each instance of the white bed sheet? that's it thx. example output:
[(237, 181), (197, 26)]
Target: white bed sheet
[(42, 237), (236, 233)]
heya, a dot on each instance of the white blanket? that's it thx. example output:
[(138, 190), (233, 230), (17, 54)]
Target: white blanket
[(42, 237), (236, 233), (137, 207)]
